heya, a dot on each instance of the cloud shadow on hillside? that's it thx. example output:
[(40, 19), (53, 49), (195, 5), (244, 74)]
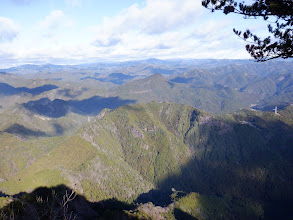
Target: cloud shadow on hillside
[(71, 93), (22, 131), (238, 177), (59, 130), (236, 166), (86, 107), (215, 180), (116, 78), (17, 129), (95, 104), (8, 90)]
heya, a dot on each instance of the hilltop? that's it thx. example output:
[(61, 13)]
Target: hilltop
[(211, 98), (171, 139), (216, 86)]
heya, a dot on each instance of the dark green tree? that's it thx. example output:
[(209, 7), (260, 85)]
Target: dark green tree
[(279, 44)]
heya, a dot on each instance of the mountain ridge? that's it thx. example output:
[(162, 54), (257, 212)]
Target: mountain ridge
[(164, 154), (128, 151)]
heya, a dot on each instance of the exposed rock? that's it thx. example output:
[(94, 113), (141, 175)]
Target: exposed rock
[(137, 133), (145, 146)]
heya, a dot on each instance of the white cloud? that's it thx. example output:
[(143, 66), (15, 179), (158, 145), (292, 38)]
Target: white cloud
[(158, 28), (166, 29), (155, 18), (109, 42), (56, 20), (8, 30), (54, 29), (212, 30), (47, 39), (159, 16)]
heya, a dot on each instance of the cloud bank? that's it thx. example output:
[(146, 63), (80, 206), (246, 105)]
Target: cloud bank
[(154, 28), (8, 30)]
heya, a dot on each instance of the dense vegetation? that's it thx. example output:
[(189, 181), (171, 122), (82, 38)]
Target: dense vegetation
[(217, 86), (244, 159), (157, 160)]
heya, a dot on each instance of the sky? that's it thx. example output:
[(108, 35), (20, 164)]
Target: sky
[(87, 31)]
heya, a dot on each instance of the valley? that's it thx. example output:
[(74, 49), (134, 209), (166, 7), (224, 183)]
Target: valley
[(148, 139)]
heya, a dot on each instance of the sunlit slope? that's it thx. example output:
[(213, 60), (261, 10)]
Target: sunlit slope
[(46, 108), (18, 154), (128, 151), (209, 97)]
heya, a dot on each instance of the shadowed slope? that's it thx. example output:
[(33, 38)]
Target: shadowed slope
[(116, 78), (248, 157), (61, 202), (18, 129), (244, 158), (59, 108), (8, 90)]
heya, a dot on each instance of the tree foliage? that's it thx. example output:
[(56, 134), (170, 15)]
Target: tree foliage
[(281, 45)]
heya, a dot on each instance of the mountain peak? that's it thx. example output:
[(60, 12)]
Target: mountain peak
[(157, 76)]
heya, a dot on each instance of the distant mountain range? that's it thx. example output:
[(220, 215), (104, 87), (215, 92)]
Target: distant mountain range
[(265, 84), (131, 69), (212, 98), (149, 139), (220, 89)]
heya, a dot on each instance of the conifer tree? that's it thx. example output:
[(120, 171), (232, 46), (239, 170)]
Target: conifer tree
[(280, 43)]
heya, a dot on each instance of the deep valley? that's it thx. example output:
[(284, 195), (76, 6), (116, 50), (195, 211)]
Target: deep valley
[(148, 139)]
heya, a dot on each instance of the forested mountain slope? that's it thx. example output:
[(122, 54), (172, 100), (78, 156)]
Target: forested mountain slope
[(126, 152), (211, 98)]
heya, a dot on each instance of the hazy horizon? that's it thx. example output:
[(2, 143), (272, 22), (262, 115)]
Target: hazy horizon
[(84, 31)]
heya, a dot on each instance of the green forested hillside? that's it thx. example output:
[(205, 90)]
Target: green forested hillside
[(41, 107), (211, 98), (222, 89), (241, 163), (270, 84)]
